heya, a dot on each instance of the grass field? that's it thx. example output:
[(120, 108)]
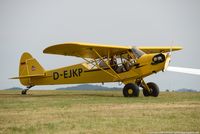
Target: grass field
[(97, 112)]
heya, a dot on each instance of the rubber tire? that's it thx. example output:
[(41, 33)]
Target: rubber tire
[(154, 89), (145, 93), (132, 86), (23, 92)]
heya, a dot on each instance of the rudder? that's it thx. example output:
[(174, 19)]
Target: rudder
[(29, 66)]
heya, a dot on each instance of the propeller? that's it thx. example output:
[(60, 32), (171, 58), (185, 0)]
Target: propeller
[(178, 69), (184, 70), (168, 58)]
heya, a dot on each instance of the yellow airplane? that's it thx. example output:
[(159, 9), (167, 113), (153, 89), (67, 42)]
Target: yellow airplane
[(103, 63)]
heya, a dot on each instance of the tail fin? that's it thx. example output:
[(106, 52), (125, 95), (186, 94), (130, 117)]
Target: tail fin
[(29, 67)]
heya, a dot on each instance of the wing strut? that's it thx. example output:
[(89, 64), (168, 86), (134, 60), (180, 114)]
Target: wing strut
[(106, 64), (96, 64)]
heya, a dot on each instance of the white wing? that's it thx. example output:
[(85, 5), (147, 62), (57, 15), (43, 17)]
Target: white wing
[(184, 70)]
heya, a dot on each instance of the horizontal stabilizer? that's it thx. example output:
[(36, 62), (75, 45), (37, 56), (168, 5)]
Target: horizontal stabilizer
[(29, 76), (184, 70)]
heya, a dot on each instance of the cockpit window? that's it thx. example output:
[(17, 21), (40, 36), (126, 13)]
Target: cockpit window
[(137, 52)]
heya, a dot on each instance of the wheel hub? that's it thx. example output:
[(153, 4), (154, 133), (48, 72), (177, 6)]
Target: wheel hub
[(130, 91)]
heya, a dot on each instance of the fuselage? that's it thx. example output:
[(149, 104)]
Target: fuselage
[(82, 73)]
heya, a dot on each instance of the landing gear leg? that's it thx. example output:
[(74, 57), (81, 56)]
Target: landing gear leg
[(25, 90), (146, 90), (149, 89)]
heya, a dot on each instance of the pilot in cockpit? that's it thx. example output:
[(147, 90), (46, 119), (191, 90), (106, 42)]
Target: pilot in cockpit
[(113, 62)]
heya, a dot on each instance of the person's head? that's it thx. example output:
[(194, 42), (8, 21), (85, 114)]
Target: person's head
[(114, 57)]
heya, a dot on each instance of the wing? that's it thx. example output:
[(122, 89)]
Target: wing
[(85, 50), (161, 49)]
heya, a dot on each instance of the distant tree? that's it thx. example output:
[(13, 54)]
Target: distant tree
[(167, 90), (14, 88)]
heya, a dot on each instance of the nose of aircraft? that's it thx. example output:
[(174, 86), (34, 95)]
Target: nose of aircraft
[(163, 58), (158, 58)]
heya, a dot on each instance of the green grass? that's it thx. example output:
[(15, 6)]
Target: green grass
[(97, 112)]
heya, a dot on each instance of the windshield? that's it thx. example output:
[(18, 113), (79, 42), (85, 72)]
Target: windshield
[(137, 52)]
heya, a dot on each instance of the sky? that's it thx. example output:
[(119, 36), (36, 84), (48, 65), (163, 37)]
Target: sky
[(33, 25)]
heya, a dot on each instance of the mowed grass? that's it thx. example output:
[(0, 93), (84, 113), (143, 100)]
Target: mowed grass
[(83, 112)]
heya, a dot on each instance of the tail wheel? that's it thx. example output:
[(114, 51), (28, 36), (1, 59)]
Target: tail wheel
[(131, 90), (23, 92), (154, 89)]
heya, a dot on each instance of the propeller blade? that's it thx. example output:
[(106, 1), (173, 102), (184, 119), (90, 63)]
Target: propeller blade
[(170, 52), (184, 70), (168, 58)]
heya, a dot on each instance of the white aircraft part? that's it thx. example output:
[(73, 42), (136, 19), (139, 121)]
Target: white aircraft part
[(184, 70), (167, 63)]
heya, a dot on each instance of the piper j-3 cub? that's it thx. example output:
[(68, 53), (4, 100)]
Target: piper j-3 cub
[(103, 63)]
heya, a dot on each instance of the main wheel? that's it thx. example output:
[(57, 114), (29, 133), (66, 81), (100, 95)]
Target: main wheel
[(131, 90), (154, 89), (145, 92)]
